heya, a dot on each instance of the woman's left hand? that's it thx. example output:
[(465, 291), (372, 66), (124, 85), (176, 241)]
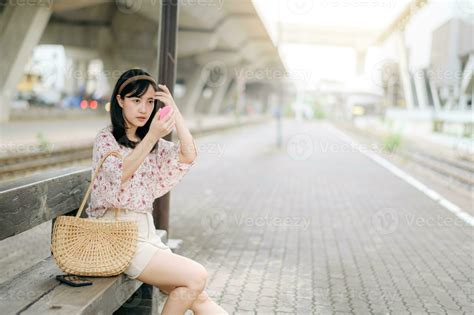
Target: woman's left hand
[(166, 97)]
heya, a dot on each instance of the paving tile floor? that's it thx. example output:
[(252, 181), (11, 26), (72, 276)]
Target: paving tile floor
[(313, 227), (316, 227)]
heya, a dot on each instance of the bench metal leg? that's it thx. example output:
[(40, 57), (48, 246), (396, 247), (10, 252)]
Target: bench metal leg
[(140, 303)]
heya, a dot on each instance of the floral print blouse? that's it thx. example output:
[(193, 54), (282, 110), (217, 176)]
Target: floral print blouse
[(158, 174)]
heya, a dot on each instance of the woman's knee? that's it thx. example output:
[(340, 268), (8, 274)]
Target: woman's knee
[(198, 279), (172, 270), (182, 294), (194, 288), (201, 298)]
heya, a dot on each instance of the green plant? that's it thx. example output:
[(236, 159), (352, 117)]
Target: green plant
[(287, 111), (44, 144), (319, 114), (392, 142)]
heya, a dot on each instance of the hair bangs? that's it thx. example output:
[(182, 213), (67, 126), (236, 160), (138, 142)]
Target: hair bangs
[(137, 88)]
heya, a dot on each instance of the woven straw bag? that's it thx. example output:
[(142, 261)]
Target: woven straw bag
[(91, 247)]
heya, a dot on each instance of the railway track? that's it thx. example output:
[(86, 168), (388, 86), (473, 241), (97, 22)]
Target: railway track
[(461, 171), (446, 168), (13, 166), (456, 169), (22, 164)]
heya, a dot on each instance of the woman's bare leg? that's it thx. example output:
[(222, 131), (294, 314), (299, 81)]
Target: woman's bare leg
[(202, 305), (186, 276)]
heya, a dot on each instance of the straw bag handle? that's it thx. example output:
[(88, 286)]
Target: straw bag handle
[(115, 153)]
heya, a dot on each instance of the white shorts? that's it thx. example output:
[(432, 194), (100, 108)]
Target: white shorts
[(148, 242)]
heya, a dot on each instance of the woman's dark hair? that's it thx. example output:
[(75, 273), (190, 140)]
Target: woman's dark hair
[(133, 89)]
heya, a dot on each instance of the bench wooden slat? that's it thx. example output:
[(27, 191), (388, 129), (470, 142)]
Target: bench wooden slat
[(28, 202), (105, 296), (28, 286), (36, 291), (40, 198)]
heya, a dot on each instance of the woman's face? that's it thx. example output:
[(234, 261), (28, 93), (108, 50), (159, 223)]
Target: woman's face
[(137, 110)]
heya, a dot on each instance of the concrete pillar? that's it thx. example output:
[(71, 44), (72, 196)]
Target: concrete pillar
[(454, 62), (467, 83), (114, 58), (241, 97), (230, 97), (111, 70), (261, 93), (107, 51), (77, 75), (391, 94), (69, 78), (82, 74), (194, 86), (113, 67), (404, 71), (450, 96), (20, 35), (435, 95), (420, 87), (219, 94), (266, 102)]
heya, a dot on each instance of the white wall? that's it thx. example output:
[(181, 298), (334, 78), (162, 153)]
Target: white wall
[(418, 33)]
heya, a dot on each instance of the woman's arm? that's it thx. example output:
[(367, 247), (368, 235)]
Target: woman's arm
[(158, 128), (188, 151), (133, 161)]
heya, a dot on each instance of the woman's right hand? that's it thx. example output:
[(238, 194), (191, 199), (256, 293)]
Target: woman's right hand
[(160, 128)]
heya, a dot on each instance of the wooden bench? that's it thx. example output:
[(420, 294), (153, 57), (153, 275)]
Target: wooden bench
[(29, 202)]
